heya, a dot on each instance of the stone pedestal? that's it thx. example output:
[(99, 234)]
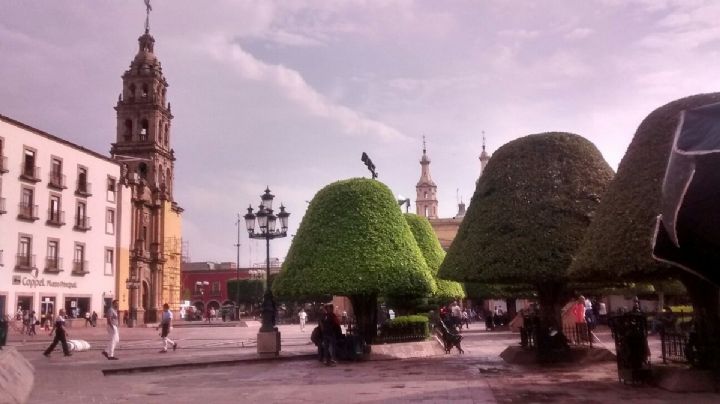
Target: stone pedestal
[(268, 343), (136, 320)]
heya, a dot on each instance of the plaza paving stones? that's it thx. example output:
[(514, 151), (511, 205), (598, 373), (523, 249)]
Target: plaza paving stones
[(479, 376)]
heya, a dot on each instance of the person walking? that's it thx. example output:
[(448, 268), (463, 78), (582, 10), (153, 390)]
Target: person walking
[(166, 324), (93, 319), (60, 335), (87, 319), (303, 318), (33, 321), (113, 334)]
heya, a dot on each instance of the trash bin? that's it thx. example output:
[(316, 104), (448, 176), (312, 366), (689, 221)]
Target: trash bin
[(633, 354), (4, 325)]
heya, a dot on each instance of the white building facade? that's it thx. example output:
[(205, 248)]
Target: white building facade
[(64, 224)]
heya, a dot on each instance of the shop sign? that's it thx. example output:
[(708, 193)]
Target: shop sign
[(34, 282)]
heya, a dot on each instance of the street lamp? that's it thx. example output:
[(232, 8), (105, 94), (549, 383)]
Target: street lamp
[(267, 221)]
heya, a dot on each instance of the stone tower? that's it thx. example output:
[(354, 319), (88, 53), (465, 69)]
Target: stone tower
[(142, 145), (426, 203), (484, 156)]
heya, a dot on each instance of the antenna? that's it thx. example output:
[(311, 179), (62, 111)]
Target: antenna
[(483, 144)]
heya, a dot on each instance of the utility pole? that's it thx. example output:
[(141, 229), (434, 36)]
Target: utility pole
[(237, 284)]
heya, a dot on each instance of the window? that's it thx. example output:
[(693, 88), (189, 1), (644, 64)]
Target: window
[(216, 288), (57, 179), (109, 261), (24, 255), (52, 261), (28, 168), (55, 215), (144, 130), (110, 221), (111, 185), (27, 209), (83, 186), (3, 159), (82, 222), (127, 135), (79, 263)]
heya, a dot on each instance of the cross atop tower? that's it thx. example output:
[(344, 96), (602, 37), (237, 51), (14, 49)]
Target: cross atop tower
[(148, 9), (484, 156)]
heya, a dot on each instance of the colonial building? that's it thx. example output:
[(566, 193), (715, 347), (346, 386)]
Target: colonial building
[(426, 203), (142, 145), (63, 222)]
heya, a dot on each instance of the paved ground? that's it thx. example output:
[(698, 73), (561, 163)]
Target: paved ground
[(478, 376)]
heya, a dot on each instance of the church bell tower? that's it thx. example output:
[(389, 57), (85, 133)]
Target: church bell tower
[(426, 203), (142, 146)]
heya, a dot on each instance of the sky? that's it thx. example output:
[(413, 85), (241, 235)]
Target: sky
[(288, 94)]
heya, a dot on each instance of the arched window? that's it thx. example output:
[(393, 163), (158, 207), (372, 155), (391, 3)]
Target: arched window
[(167, 134), (168, 178), (132, 91), (127, 135), (143, 170), (144, 130), (144, 91)]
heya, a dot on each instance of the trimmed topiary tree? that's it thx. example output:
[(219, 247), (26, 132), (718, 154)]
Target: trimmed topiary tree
[(434, 254), (354, 242), (528, 215), (620, 240)]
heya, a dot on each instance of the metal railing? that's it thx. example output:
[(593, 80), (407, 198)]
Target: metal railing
[(83, 188), (80, 267), (82, 223), (2, 206), (25, 262), (53, 264), (30, 173), (56, 180), (673, 346), (3, 164), (28, 212), (56, 217)]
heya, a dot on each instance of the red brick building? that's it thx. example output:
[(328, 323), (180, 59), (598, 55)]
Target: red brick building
[(204, 284)]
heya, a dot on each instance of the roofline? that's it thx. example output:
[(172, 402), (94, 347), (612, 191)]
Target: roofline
[(57, 139)]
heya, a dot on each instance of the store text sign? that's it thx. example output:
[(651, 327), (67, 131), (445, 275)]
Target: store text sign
[(34, 282)]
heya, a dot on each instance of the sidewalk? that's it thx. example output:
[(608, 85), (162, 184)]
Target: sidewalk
[(189, 375)]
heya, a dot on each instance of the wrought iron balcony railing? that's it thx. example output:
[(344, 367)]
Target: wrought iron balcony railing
[(82, 223), (83, 188), (56, 217), (56, 180), (53, 264), (27, 212), (29, 173), (80, 267), (24, 262)]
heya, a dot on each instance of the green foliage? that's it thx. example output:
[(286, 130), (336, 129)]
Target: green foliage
[(434, 255), (477, 290), (529, 212), (405, 328), (353, 241), (619, 241), (251, 290)]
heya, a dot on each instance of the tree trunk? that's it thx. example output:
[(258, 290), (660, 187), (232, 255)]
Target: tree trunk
[(705, 298), (551, 298), (365, 309)]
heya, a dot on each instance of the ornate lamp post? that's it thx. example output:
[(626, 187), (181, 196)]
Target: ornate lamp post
[(132, 283), (267, 221)]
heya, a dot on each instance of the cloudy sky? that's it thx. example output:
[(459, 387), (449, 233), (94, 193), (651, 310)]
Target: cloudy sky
[(290, 93)]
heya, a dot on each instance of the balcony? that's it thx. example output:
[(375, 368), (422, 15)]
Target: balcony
[(82, 223), (2, 206), (28, 212), (24, 262), (56, 217), (3, 164), (28, 173), (57, 181), (80, 267), (83, 188), (53, 265)]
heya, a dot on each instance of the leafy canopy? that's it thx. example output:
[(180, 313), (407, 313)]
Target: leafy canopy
[(529, 212), (434, 255), (354, 241), (619, 241)]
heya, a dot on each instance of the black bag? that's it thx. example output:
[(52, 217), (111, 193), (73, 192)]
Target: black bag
[(316, 336)]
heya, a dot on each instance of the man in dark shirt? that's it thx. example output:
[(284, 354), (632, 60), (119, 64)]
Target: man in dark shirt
[(330, 327), (60, 335)]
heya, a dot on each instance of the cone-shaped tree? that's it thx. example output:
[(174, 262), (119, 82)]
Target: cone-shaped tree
[(619, 242), (434, 254), (353, 241), (528, 215)]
